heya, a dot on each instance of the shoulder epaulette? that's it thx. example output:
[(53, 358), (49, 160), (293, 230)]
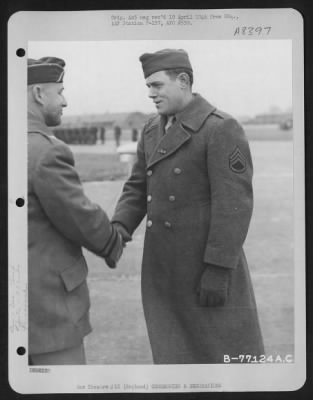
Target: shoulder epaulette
[(41, 135), (221, 114), (49, 138)]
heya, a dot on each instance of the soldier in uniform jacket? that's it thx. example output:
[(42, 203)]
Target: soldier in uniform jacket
[(61, 220), (193, 181)]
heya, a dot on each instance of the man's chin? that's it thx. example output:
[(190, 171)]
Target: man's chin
[(53, 122), (161, 112)]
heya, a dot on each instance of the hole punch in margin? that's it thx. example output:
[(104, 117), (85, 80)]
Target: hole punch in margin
[(21, 350), (20, 52), (20, 202)]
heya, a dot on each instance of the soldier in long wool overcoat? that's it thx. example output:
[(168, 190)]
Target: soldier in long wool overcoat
[(193, 181)]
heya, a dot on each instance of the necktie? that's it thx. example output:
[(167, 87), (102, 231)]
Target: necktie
[(170, 121)]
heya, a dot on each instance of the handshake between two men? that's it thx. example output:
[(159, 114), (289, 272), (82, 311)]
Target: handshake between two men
[(116, 244)]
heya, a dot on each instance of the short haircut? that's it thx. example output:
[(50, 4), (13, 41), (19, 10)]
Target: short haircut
[(173, 73)]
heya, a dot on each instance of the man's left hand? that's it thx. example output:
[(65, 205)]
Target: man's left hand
[(213, 286)]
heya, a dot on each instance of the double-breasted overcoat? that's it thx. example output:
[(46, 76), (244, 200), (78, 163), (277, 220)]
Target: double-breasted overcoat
[(194, 184), (61, 219)]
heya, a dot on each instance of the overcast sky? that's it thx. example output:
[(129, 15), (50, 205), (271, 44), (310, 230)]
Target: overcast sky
[(241, 77)]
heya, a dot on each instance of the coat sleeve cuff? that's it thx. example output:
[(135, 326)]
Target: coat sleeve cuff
[(126, 223), (105, 252), (215, 256), (120, 223)]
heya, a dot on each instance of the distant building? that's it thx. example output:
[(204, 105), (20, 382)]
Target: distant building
[(281, 119)]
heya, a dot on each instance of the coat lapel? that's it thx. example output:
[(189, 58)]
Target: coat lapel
[(160, 146), (168, 144)]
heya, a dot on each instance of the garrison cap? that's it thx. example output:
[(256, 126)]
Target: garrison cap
[(163, 60), (45, 70)]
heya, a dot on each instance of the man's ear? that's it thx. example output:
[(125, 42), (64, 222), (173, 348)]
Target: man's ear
[(183, 80), (38, 94)]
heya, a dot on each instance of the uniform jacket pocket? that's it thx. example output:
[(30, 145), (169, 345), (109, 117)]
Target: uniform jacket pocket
[(75, 275), (77, 293)]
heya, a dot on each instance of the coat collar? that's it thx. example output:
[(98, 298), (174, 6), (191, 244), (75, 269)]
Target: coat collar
[(193, 116), (196, 112), (35, 124), (160, 145)]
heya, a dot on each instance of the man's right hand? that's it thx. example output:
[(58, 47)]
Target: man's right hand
[(115, 249), (123, 231)]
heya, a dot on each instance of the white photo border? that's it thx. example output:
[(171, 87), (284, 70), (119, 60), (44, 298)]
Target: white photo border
[(24, 27)]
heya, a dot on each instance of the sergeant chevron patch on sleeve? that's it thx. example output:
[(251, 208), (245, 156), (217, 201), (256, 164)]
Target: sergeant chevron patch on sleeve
[(237, 161)]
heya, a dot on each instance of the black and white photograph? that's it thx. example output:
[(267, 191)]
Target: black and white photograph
[(161, 243)]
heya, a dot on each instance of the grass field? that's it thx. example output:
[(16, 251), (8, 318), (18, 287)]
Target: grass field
[(119, 335), (100, 167)]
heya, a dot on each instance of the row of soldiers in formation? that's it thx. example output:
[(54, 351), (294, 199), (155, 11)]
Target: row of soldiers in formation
[(90, 134)]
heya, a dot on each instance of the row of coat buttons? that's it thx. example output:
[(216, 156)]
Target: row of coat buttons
[(171, 198), (167, 224), (177, 171)]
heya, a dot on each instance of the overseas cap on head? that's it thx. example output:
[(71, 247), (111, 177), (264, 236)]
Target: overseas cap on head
[(163, 60), (45, 70)]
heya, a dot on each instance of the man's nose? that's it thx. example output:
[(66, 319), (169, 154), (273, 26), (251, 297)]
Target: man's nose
[(152, 93), (64, 103)]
